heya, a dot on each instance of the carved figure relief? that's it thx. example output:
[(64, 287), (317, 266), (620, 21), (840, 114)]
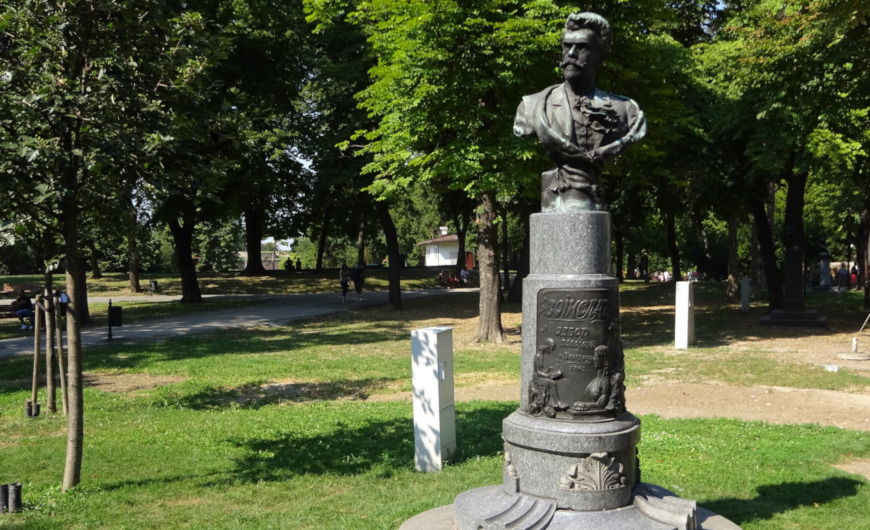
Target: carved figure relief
[(598, 390), (579, 364), (544, 392), (509, 466), (599, 471), (616, 364)]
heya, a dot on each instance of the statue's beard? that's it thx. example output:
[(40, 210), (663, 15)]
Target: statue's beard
[(575, 74)]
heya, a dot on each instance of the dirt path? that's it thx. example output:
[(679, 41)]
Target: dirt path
[(773, 404), (684, 400)]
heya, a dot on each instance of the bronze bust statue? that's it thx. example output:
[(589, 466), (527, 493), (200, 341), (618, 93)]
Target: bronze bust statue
[(580, 126)]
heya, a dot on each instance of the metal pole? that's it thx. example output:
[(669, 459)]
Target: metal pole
[(51, 391), (59, 334), (37, 325)]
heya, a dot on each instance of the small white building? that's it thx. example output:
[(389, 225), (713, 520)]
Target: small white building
[(442, 251)]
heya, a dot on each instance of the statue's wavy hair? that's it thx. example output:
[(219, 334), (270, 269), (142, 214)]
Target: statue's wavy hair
[(595, 22)]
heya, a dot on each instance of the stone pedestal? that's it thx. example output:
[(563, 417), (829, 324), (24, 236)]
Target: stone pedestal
[(434, 410), (794, 312), (570, 449), (684, 316)]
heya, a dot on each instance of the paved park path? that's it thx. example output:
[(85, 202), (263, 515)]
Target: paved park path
[(271, 310)]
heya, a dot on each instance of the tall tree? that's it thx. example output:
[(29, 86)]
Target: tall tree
[(787, 72), (76, 102), (444, 95)]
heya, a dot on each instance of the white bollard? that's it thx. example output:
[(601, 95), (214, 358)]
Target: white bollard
[(684, 326), (745, 288), (434, 411)]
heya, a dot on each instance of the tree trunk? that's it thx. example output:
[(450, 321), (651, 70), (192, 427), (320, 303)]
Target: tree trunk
[(134, 262), (322, 238), (516, 294), (794, 211), (864, 250), (75, 287), (395, 265), (182, 235), (673, 251), (733, 272), (620, 249), (361, 240), (490, 328), (84, 310), (768, 254), (96, 272), (506, 285), (757, 272), (253, 242), (461, 220)]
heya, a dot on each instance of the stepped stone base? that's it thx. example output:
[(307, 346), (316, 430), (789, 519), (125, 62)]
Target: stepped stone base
[(652, 507), (808, 318)]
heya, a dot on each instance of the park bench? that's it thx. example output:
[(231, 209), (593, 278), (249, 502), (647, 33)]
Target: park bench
[(10, 290)]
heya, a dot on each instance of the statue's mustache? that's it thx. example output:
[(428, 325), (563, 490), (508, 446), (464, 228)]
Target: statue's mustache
[(573, 62)]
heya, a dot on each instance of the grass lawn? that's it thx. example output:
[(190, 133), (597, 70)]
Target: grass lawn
[(276, 282), (282, 427)]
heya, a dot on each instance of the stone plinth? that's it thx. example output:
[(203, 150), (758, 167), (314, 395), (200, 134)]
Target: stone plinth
[(794, 312), (684, 316), (442, 518), (808, 318), (434, 410)]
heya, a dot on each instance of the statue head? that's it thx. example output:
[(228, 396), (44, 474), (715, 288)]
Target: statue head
[(547, 347), (585, 43), (599, 356)]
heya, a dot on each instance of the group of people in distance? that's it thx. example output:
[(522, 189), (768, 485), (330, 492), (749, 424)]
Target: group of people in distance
[(452, 279)]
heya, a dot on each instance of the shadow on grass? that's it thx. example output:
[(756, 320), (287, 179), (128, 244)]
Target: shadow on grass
[(780, 498), (258, 396), (345, 329), (380, 446)]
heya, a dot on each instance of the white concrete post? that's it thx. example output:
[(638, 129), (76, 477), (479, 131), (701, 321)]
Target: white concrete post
[(684, 327), (434, 411), (745, 287)]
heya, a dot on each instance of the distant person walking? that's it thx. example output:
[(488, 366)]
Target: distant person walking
[(358, 277), (842, 278), (344, 280)]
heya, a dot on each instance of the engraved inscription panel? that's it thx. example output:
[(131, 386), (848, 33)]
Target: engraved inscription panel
[(577, 354)]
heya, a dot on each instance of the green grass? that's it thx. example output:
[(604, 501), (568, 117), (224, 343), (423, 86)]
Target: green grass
[(276, 283), (211, 449)]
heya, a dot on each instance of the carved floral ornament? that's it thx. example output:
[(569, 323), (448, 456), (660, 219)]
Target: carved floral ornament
[(599, 471)]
